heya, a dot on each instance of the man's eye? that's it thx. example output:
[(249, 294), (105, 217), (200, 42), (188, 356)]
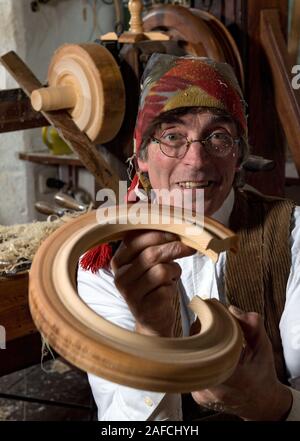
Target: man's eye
[(220, 136), (172, 137)]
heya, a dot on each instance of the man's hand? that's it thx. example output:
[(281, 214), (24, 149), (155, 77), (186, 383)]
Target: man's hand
[(146, 275), (253, 392)]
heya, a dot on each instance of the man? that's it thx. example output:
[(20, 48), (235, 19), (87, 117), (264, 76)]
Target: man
[(191, 134)]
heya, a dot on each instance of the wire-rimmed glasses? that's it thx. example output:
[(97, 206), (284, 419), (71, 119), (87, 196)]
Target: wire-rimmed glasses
[(176, 145)]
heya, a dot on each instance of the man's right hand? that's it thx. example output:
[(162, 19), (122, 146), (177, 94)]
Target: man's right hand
[(146, 276)]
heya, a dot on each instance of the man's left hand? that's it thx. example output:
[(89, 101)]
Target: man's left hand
[(253, 392)]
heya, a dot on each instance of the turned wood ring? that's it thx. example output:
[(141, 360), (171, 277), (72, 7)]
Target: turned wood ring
[(98, 346), (86, 80)]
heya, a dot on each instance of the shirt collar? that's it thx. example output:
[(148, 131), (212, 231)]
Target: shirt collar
[(222, 215)]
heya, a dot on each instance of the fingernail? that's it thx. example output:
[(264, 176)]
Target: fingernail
[(235, 310)]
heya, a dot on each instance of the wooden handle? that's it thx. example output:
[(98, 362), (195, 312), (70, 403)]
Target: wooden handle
[(53, 98), (136, 23), (46, 208), (100, 347), (68, 202)]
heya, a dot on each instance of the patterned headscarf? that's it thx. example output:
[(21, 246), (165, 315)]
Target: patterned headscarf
[(170, 82)]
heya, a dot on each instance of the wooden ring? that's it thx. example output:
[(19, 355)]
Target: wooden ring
[(98, 346)]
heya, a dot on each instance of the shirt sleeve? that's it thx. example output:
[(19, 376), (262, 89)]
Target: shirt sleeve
[(115, 402), (290, 320)]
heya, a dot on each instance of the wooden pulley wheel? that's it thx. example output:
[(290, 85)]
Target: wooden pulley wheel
[(200, 32), (98, 346), (181, 24), (86, 80)]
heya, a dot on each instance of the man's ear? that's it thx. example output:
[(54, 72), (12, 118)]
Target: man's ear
[(143, 165)]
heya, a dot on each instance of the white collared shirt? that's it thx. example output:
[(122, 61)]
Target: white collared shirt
[(202, 277)]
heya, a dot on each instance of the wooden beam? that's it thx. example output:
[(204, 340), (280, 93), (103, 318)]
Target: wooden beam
[(294, 36), (78, 141), (49, 158), (286, 98), (266, 136), (16, 112)]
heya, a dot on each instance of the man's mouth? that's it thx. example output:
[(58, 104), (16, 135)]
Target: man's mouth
[(194, 184)]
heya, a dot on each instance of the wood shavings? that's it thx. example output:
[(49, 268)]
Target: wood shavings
[(20, 242), (23, 240)]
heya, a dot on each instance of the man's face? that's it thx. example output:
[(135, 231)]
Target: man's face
[(197, 169)]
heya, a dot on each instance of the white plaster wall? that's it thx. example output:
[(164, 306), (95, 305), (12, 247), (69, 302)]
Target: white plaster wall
[(34, 36), (13, 195)]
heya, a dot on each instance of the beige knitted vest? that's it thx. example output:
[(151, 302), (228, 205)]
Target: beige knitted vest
[(256, 277)]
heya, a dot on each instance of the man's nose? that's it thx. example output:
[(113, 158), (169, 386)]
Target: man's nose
[(196, 154)]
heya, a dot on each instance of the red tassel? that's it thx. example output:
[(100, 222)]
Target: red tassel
[(97, 258)]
